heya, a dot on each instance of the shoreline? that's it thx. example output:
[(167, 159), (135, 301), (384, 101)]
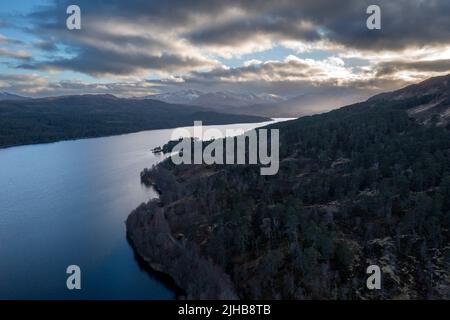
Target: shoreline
[(152, 240), (52, 141), (155, 272), (149, 231)]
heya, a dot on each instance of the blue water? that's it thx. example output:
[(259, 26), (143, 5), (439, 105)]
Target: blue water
[(66, 203)]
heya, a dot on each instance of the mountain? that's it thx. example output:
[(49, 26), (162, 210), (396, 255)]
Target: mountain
[(428, 101), (11, 97), (434, 106), (266, 105), (303, 105), (219, 101), (179, 97), (366, 184), (73, 117)]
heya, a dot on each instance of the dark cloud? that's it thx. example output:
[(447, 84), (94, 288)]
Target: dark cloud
[(217, 23), (236, 31), (46, 45), (393, 67), (404, 22), (100, 62), (102, 48)]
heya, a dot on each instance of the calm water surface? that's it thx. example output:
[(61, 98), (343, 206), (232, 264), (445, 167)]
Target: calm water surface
[(66, 203)]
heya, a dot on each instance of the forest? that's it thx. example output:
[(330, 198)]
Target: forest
[(365, 184), (44, 120)]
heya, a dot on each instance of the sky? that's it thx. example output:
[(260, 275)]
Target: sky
[(283, 47)]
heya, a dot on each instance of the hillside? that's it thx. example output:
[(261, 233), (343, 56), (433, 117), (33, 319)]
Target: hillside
[(10, 97), (434, 96), (73, 117), (365, 184)]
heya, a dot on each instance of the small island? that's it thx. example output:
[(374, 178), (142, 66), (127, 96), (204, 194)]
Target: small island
[(157, 150)]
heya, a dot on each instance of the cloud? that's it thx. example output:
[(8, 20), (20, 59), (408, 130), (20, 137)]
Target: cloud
[(115, 40), (23, 83), (126, 89), (40, 86), (20, 54), (393, 67), (46, 45), (289, 77), (180, 43), (9, 48), (100, 62), (405, 23), (168, 34), (292, 69), (223, 23), (8, 41)]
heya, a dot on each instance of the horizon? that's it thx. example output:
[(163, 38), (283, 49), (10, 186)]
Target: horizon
[(181, 90)]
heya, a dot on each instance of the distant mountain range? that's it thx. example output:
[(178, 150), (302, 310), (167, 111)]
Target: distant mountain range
[(264, 104), (261, 104), (304, 104), (216, 100), (271, 105)]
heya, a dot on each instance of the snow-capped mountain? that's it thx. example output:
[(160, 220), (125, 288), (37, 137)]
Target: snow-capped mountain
[(9, 96), (216, 99), (178, 97), (232, 99)]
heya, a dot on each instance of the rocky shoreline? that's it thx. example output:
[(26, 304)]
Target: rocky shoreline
[(152, 239)]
